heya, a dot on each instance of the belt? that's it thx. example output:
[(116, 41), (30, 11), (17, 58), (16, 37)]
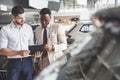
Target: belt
[(21, 59)]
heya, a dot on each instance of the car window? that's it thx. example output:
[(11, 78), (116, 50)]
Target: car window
[(85, 28)]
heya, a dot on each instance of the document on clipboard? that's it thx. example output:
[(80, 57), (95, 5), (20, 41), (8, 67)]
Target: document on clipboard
[(35, 48)]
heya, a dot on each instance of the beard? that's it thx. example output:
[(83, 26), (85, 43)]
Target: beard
[(19, 23)]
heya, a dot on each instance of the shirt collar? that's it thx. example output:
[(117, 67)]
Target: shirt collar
[(48, 26), (13, 25)]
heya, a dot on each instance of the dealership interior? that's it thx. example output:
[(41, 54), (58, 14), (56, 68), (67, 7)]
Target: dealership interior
[(91, 29)]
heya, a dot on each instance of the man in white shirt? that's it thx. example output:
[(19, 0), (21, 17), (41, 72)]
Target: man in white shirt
[(14, 41)]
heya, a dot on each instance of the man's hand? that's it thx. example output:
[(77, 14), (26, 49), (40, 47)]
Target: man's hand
[(48, 47), (23, 52), (38, 54)]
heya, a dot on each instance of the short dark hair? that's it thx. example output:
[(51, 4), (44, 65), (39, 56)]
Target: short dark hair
[(45, 11), (17, 10)]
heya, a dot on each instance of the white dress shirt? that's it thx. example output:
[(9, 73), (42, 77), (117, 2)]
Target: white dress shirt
[(16, 38)]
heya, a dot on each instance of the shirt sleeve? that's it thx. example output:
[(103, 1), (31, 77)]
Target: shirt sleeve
[(3, 38), (61, 39)]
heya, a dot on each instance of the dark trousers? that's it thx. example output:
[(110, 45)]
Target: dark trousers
[(19, 69)]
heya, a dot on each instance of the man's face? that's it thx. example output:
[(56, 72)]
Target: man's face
[(19, 20), (45, 19)]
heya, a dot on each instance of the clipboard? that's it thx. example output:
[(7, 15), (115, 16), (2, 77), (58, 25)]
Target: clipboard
[(35, 48)]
